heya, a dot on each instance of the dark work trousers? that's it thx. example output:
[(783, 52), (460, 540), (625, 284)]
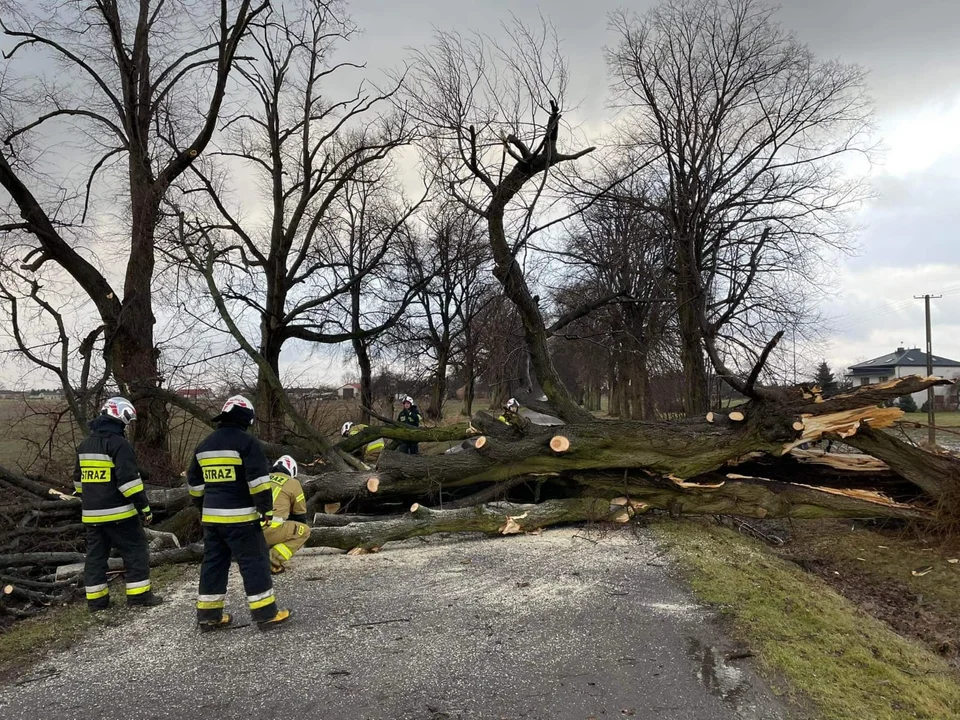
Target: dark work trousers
[(243, 542), (129, 540), (409, 448)]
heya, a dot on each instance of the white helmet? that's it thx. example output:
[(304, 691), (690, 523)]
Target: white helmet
[(345, 428), (288, 464), (238, 405), (407, 399), (512, 405), (120, 408)]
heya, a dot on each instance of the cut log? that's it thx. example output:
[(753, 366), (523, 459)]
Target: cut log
[(24, 595), (489, 519), (45, 587), (559, 444), (709, 417), (480, 442), (373, 484), (331, 508), (736, 416)]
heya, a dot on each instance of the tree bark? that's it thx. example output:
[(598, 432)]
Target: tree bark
[(494, 519), (685, 464), (366, 378), (271, 426), (438, 392), (696, 399)]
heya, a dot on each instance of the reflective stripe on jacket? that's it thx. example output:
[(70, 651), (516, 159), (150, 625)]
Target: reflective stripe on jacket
[(106, 475), (289, 501), (230, 476)]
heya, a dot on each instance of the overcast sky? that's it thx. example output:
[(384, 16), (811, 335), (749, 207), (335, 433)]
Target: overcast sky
[(909, 241), (908, 244)]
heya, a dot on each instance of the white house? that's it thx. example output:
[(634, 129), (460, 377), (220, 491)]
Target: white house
[(349, 391), (905, 362)]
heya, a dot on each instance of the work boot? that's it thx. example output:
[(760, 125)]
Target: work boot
[(148, 599), (281, 617), (98, 605), (225, 620)]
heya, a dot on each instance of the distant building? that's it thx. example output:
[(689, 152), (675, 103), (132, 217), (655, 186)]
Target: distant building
[(44, 394), (912, 361), (348, 391), (195, 393)]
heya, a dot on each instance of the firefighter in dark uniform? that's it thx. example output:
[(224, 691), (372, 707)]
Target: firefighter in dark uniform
[(410, 416), (114, 503), (230, 479), (288, 530)]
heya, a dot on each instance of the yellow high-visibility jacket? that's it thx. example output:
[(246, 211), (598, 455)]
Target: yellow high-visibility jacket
[(289, 502)]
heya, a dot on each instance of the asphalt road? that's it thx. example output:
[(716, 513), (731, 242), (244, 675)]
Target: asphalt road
[(567, 624)]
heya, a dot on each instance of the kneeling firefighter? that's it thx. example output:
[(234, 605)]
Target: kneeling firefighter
[(108, 481), (369, 452), (288, 530), (230, 479)]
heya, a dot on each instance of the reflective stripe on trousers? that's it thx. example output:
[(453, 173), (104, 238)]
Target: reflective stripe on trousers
[(229, 515), (121, 512), (261, 600), (95, 592), (138, 588)]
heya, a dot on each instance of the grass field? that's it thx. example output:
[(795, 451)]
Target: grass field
[(943, 419), (813, 642)]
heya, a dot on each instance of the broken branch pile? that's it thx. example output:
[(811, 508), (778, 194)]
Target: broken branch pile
[(516, 476), (755, 461), (42, 542)]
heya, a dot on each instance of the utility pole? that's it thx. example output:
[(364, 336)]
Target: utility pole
[(931, 415), (794, 354)]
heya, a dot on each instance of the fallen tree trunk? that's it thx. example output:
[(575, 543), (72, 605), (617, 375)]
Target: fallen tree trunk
[(695, 456), (493, 519), (749, 462)]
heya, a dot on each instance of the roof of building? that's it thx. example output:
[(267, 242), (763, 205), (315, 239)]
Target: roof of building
[(903, 357)]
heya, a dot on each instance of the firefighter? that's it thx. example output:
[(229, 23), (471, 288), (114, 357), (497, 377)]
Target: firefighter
[(230, 479), (288, 530), (410, 416), (371, 451), (114, 503), (511, 408)]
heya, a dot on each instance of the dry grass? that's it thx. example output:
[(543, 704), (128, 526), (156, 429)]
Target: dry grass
[(849, 665), (27, 642)]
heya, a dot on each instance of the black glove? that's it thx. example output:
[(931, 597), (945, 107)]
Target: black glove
[(147, 515)]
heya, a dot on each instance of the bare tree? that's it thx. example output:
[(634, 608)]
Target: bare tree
[(494, 114), (746, 133), (304, 149), (142, 81), (40, 334), (450, 263), (372, 264), (616, 247)]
